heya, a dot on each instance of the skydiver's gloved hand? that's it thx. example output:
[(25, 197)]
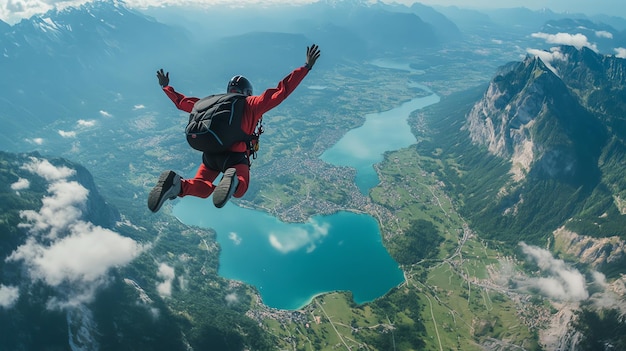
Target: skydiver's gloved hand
[(164, 78), (312, 54)]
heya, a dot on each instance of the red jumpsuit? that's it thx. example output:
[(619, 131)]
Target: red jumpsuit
[(202, 184)]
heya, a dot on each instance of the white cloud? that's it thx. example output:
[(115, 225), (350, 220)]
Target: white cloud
[(231, 299), (482, 51), (8, 295), (307, 236), (168, 274), (599, 278), (138, 107), (577, 40), (78, 263), (84, 123), (65, 134), (560, 281), (83, 256), (36, 141), (236, 239), (48, 171), (620, 52), (64, 251), (21, 184), (58, 211), (604, 34), (13, 10), (548, 56), (105, 114)]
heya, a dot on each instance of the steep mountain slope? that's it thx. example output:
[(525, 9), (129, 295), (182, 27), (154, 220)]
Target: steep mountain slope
[(529, 116), (555, 130), (599, 81)]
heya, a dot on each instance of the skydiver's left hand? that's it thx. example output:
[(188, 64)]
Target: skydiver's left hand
[(312, 54), (164, 78)]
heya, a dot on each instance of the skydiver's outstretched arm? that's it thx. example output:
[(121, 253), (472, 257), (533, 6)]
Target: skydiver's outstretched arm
[(272, 97), (181, 101)]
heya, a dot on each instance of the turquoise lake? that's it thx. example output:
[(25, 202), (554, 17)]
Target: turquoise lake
[(290, 263), (365, 146)]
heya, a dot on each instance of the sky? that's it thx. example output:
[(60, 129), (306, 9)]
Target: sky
[(12, 11)]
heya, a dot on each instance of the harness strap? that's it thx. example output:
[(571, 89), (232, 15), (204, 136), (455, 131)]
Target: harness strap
[(253, 144)]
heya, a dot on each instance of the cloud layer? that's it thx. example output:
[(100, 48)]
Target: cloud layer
[(559, 281), (168, 274), (548, 56), (577, 40), (64, 251), (8, 296), (21, 184)]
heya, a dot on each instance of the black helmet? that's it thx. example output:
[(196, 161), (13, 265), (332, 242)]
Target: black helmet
[(239, 84)]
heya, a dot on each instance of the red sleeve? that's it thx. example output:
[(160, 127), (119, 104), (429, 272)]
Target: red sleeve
[(181, 101), (257, 105), (271, 98)]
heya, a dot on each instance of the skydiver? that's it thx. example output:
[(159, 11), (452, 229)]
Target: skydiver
[(234, 164)]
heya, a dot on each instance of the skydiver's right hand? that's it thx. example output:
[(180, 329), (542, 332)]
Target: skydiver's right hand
[(164, 78), (312, 54)]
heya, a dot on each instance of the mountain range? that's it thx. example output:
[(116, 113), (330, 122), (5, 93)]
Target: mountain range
[(534, 154), (559, 124), (537, 156), (52, 59)]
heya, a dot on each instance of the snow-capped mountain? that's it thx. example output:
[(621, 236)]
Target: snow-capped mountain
[(74, 60)]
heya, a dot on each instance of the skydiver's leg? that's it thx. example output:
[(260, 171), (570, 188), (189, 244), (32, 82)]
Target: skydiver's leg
[(236, 177), (202, 184), (168, 186), (237, 160), (243, 174)]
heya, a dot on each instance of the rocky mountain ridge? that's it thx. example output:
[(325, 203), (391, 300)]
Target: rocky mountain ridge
[(537, 114)]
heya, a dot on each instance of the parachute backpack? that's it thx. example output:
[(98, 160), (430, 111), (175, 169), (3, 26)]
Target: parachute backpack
[(215, 123)]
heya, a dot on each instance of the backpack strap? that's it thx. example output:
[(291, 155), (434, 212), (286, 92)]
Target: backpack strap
[(253, 143)]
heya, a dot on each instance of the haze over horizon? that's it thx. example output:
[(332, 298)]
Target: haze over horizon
[(12, 11)]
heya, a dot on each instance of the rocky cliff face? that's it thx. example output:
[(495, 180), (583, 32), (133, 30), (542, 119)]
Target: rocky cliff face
[(509, 108), (558, 126), (530, 115), (595, 252), (562, 120)]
